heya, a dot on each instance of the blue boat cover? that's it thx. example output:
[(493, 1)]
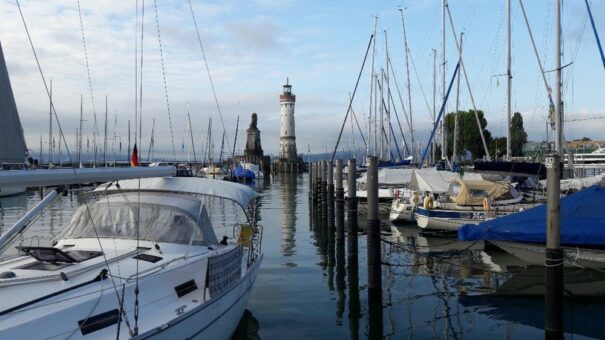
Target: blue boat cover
[(582, 222), (242, 173)]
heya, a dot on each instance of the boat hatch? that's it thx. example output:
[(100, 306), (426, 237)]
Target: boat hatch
[(56, 255)]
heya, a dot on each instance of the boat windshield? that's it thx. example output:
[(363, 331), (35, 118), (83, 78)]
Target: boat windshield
[(117, 218)]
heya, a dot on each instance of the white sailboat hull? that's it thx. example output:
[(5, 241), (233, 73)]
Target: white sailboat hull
[(534, 254), (214, 320)]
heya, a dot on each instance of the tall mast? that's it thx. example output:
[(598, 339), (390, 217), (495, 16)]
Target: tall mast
[(407, 67), (387, 91), (558, 99), (381, 108), (105, 136), (509, 81), (115, 137), (50, 127), (434, 101), (80, 139), (128, 155), (443, 142), (372, 119), (191, 134), (457, 114)]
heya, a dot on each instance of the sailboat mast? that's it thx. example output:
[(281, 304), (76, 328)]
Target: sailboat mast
[(558, 99), (50, 126), (191, 134), (509, 81), (105, 136), (443, 143), (235, 140), (457, 114), (407, 67), (380, 83), (128, 154), (80, 137), (434, 101), (387, 92), (372, 118)]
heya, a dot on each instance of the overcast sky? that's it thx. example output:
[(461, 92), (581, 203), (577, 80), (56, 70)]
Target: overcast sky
[(253, 46)]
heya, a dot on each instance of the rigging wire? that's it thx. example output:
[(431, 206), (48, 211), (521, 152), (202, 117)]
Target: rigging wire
[(218, 107), (92, 97), (157, 21), (61, 134)]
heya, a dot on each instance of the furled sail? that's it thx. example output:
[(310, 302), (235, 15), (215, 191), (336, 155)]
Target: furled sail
[(12, 142)]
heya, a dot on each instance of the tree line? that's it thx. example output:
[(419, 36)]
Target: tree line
[(469, 137)]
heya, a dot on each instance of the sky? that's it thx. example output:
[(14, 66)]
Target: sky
[(253, 46)]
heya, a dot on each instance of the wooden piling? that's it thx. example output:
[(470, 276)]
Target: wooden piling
[(553, 261), (339, 193), (352, 247), (374, 256), (324, 192)]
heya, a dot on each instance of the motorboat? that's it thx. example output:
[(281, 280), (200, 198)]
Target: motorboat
[(139, 259), (468, 201)]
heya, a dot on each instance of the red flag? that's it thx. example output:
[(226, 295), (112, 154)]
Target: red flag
[(134, 159)]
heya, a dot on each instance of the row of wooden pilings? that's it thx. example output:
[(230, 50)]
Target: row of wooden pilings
[(327, 202)]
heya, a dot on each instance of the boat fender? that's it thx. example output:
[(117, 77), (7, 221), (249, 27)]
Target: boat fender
[(415, 198), (428, 203), (485, 204)]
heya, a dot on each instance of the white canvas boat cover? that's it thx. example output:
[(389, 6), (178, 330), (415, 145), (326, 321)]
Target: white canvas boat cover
[(431, 180), (577, 183), (190, 185), (12, 142), (390, 177)]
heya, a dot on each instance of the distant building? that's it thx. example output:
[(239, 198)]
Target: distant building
[(253, 146), (253, 153)]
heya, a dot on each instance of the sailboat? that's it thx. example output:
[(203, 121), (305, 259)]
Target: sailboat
[(140, 258), (13, 150)]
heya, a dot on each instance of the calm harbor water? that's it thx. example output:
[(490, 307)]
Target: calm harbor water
[(433, 286)]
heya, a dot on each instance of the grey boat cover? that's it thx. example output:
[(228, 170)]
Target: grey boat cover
[(12, 142)]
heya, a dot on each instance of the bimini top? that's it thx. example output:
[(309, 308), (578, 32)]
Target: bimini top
[(189, 185), (472, 192)]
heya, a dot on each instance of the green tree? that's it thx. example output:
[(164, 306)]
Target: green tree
[(497, 147), (469, 136), (518, 135)]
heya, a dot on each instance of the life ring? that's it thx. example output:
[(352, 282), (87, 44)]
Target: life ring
[(415, 198), (486, 206), (428, 202)]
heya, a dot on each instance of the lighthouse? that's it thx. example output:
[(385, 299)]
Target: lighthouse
[(287, 139)]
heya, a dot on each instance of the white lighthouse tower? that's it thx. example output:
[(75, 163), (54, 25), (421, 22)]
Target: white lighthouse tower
[(287, 139)]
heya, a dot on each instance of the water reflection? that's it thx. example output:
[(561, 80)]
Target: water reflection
[(289, 185), (248, 328)]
